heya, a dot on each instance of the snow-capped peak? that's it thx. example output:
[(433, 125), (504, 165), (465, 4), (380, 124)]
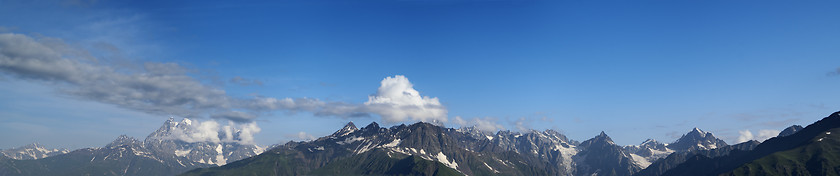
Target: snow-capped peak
[(649, 141), (347, 129), (186, 121), (702, 134)]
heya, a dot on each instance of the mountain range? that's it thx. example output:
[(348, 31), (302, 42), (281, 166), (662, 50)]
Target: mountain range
[(429, 149), (161, 153), (31, 151)]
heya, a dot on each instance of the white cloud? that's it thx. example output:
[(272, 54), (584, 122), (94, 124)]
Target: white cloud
[(767, 134), (460, 121), (198, 131), (211, 131), (167, 89), (396, 100), (522, 124), (247, 132), (487, 124), (746, 135), (303, 136)]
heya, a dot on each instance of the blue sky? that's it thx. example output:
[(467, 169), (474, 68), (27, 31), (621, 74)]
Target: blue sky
[(636, 70)]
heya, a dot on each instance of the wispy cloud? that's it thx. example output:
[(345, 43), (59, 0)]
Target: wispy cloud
[(746, 135), (487, 124), (523, 124), (245, 81), (834, 73), (168, 89), (303, 136), (159, 88)]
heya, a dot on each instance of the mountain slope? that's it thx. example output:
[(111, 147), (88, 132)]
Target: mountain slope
[(820, 156), (790, 130), (659, 167), (124, 156), (468, 151), (381, 162), (697, 140), (600, 156), (650, 152), (702, 165), (456, 150)]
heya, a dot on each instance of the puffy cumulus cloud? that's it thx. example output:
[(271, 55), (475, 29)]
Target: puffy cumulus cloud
[(247, 132), (746, 135), (487, 124), (193, 131), (396, 100)]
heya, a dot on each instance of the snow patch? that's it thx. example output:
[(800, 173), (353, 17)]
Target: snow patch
[(350, 140), (488, 166), (258, 150), (365, 147), (220, 157), (187, 121), (182, 152), (567, 153), (656, 154), (443, 159), (641, 161), (503, 162), (392, 144)]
